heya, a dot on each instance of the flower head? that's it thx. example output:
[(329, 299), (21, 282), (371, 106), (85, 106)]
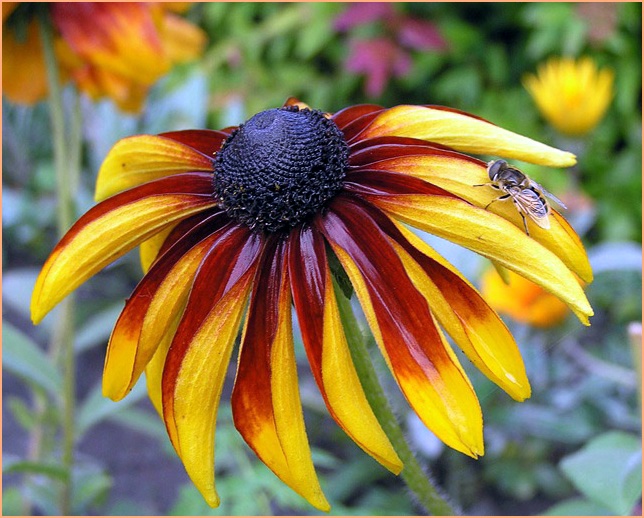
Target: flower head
[(572, 95), (522, 299), (116, 50), (240, 225)]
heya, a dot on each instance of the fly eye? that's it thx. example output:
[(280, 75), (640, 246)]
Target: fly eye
[(495, 167)]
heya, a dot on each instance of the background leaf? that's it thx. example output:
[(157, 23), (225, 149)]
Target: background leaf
[(608, 470), (22, 357)]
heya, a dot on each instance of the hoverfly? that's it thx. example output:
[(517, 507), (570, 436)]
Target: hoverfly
[(528, 196)]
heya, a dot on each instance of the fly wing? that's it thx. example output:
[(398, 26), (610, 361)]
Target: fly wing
[(538, 187), (530, 202)]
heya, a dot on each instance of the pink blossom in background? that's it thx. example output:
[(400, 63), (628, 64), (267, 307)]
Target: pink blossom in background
[(387, 55), (378, 59), (361, 14), (420, 35)]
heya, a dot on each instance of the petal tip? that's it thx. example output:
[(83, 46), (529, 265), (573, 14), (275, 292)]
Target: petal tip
[(395, 467), (568, 159), (212, 499), (521, 392), (37, 309)]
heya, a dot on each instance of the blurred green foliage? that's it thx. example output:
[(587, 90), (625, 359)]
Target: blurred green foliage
[(585, 386)]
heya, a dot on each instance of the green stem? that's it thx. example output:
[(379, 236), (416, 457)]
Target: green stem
[(415, 477), (67, 165)]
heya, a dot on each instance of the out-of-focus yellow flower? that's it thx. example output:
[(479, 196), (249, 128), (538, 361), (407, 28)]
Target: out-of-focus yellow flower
[(572, 95), (108, 49), (522, 299)]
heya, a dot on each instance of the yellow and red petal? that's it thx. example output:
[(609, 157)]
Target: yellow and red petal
[(419, 204), (153, 306), (424, 366), (461, 310), (460, 174), (112, 228), (199, 356), (266, 401), (143, 158), (463, 132), (327, 348)]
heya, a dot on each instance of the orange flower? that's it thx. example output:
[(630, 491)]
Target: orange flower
[(116, 50), (522, 300)]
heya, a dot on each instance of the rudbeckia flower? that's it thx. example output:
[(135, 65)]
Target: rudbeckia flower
[(115, 50), (240, 225), (522, 299), (572, 95)]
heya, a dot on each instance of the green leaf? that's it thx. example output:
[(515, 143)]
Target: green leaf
[(22, 413), (49, 469), (22, 357), (95, 407), (577, 507), (608, 470), (90, 488), (313, 39)]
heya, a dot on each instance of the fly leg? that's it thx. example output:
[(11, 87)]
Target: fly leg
[(525, 221), (500, 198)]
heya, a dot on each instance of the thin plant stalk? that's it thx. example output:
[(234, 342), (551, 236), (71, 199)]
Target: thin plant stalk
[(67, 165), (416, 478)]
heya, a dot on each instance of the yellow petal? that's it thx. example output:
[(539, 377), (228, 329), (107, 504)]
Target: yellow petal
[(142, 158), (344, 391), (24, 78), (492, 237), (523, 300), (463, 133), (149, 249), (182, 41)]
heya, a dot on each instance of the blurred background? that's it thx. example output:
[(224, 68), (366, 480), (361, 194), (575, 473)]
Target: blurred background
[(567, 74)]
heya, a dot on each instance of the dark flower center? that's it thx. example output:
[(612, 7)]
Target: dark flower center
[(280, 168)]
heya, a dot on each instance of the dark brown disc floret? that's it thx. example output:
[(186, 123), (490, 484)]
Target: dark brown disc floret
[(280, 168)]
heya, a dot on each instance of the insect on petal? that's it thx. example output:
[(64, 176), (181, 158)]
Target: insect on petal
[(492, 237), (459, 175)]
